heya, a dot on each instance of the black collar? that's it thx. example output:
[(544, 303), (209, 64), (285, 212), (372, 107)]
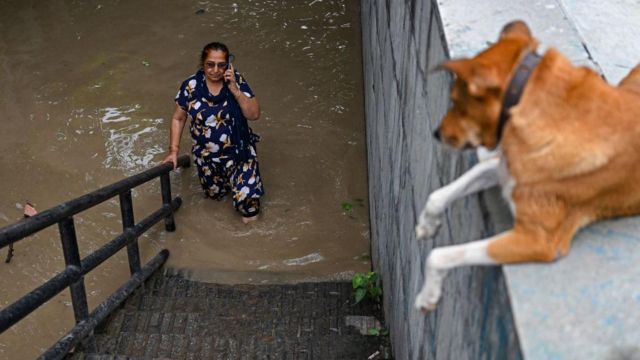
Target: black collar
[(516, 87)]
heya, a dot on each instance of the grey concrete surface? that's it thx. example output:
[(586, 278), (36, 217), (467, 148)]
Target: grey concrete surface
[(586, 306), (470, 25), (610, 31)]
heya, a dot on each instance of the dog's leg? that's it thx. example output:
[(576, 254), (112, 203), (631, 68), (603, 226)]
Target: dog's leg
[(509, 247), (442, 259), (484, 154), (480, 177)]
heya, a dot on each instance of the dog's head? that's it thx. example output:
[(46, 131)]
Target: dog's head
[(476, 94)]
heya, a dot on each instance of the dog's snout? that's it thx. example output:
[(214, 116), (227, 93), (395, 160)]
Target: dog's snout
[(436, 134)]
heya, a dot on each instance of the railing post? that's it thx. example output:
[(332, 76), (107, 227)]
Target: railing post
[(72, 258), (165, 184), (133, 252)]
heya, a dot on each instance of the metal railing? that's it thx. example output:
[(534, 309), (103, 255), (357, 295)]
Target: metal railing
[(75, 267)]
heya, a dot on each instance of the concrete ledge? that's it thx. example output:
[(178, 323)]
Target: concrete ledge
[(586, 306)]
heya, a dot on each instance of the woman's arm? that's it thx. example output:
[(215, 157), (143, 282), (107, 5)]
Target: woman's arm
[(178, 120), (249, 106)]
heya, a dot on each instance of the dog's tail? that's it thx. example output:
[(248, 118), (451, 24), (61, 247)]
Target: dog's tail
[(632, 80)]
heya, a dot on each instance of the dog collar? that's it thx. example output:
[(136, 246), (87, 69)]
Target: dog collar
[(516, 87)]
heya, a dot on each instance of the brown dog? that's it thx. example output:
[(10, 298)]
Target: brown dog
[(568, 149)]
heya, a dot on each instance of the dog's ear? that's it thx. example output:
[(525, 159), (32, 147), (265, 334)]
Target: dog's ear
[(479, 78), (516, 28)]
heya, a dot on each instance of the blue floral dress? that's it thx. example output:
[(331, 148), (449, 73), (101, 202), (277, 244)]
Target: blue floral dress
[(224, 147)]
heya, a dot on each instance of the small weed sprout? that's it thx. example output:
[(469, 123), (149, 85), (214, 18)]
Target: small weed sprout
[(365, 286)]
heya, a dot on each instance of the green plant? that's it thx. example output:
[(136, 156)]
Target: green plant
[(378, 332), (347, 206), (365, 286)]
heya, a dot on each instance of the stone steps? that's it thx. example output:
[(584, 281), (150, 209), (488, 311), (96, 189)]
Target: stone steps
[(174, 318), (173, 346), (188, 323)]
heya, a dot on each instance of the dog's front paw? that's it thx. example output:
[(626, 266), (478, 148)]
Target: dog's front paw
[(428, 225), (431, 291), (427, 299)]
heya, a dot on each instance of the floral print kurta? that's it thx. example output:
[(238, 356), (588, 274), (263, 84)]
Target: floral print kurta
[(219, 168)]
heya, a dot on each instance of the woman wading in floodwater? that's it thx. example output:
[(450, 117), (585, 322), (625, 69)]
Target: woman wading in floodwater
[(219, 102)]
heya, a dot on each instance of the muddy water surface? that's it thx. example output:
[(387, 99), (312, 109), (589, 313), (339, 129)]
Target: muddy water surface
[(86, 94)]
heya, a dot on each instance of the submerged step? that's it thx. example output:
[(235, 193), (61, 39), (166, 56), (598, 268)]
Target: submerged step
[(171, 317)]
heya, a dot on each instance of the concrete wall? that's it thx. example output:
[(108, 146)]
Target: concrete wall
[(402, 41)]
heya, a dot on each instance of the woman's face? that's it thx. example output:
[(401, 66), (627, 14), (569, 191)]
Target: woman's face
[(215, 65)]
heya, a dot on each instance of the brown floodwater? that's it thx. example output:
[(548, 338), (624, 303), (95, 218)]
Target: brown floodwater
[(86, 95)]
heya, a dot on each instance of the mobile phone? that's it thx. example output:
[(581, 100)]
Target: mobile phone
[(231, 59)]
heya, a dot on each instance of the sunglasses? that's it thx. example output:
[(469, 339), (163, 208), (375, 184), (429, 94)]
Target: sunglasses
[(213, 65), (220, 65)]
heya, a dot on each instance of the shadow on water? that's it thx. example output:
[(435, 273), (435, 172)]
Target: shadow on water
[(86, 94)]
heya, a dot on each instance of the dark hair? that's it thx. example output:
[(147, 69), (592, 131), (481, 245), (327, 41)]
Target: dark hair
[(214, 46)]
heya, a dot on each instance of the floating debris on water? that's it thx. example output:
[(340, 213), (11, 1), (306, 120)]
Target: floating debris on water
[(307, 259)]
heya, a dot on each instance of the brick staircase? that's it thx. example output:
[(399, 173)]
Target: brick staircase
[(174, 318)]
